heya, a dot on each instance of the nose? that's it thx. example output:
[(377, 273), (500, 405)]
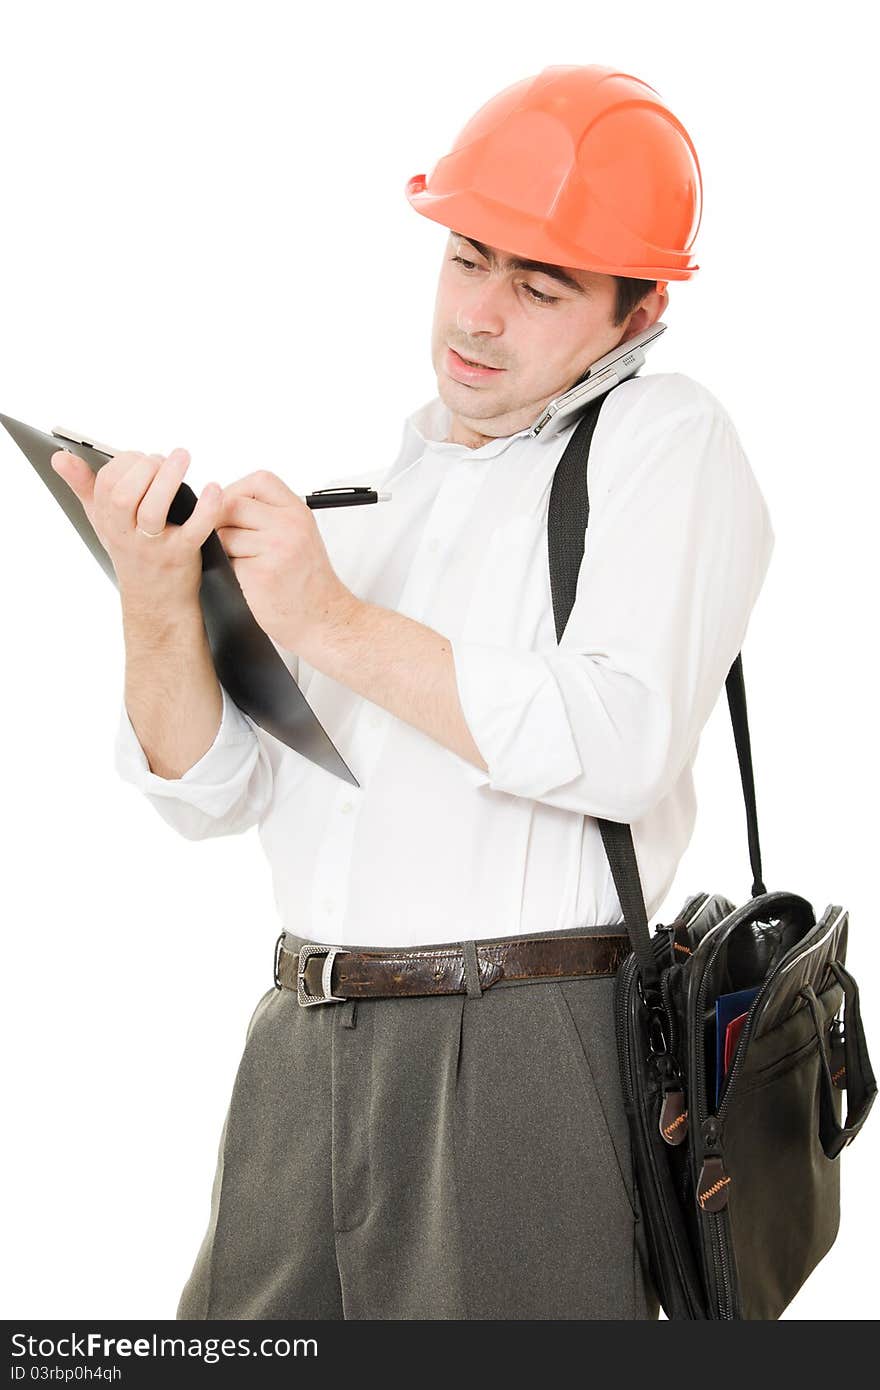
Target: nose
[(482, 309)]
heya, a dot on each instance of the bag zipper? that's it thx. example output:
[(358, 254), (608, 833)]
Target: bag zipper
[(696, 912), (624, 1053), (713, 1182), (673, 1118)]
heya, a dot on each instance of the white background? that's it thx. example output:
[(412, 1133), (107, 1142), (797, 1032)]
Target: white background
[(205, 242)]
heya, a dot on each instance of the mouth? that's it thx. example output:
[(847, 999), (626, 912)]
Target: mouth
[(472, 361), (470, 366)]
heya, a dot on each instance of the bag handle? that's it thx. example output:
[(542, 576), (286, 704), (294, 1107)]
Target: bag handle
[(861, 1088), (568, 515)]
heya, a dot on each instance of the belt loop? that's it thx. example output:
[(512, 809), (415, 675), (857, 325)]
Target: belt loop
[(277, 960), (471, 970)]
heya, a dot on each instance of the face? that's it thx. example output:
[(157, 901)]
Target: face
[(538, 332)]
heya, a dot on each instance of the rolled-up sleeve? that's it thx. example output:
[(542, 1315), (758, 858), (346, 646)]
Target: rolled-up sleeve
[(224, 793), (678, 544)]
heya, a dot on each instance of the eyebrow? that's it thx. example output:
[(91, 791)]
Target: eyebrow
[(556, 272)]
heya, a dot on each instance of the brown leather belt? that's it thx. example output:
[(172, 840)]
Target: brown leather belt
[(322, 974)]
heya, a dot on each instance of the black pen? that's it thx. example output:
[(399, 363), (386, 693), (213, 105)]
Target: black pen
[(344, 496)]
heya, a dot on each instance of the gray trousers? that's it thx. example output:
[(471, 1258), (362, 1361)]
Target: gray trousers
[(458, 1156)]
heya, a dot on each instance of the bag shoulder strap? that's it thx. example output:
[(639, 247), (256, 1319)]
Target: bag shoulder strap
[(569, 510)]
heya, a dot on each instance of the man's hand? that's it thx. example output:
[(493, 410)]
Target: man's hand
[(133, 491), (295, 595), (279, 559)]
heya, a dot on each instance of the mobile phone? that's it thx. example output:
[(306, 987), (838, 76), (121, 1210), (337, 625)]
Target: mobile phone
[(621, 362)]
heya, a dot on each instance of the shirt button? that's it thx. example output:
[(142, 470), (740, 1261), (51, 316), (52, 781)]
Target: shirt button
[(329, 904), (346, 806), (434, 544)]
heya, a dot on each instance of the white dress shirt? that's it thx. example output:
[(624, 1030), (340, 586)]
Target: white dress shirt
[(429, 848)]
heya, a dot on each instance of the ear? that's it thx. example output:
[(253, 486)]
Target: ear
[(652, 307)]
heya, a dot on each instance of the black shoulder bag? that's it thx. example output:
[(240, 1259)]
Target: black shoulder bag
[(739, 1032)]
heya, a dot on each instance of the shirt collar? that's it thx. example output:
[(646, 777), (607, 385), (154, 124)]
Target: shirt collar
[(426, 430)]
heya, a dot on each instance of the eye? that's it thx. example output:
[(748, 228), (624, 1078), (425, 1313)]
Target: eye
[(538, 297), (541, 298)]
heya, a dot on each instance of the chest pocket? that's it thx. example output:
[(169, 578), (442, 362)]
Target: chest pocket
[(511, 601)]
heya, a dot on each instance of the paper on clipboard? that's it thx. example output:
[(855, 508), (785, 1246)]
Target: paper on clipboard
[(247, 663)]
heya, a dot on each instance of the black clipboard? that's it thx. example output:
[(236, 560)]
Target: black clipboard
[(248, 665)]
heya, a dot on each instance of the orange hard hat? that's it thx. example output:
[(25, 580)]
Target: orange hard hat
[(579, 166)]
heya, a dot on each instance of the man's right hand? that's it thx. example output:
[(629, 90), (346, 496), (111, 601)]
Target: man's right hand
[(133, 491)]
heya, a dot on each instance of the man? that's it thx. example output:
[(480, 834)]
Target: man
[(427, 1121)]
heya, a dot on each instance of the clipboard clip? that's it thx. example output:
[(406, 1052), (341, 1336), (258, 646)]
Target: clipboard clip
[(82, 440)]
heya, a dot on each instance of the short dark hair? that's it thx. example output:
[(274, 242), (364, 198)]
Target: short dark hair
[(630, 294)]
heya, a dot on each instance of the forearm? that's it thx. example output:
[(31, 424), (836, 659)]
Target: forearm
[(172, 694), (397, 663)]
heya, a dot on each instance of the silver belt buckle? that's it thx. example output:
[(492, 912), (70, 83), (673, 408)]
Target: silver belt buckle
[(302, 994)]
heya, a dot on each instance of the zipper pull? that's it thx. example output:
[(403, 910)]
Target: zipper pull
[(673, 1114), (837, 1054), (673, 1121), (713, 1182)]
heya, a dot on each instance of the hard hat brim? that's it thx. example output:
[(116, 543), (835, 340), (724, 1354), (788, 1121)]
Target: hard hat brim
[(516, 233)]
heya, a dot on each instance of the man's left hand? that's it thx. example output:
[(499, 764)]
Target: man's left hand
[(279, 559)]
